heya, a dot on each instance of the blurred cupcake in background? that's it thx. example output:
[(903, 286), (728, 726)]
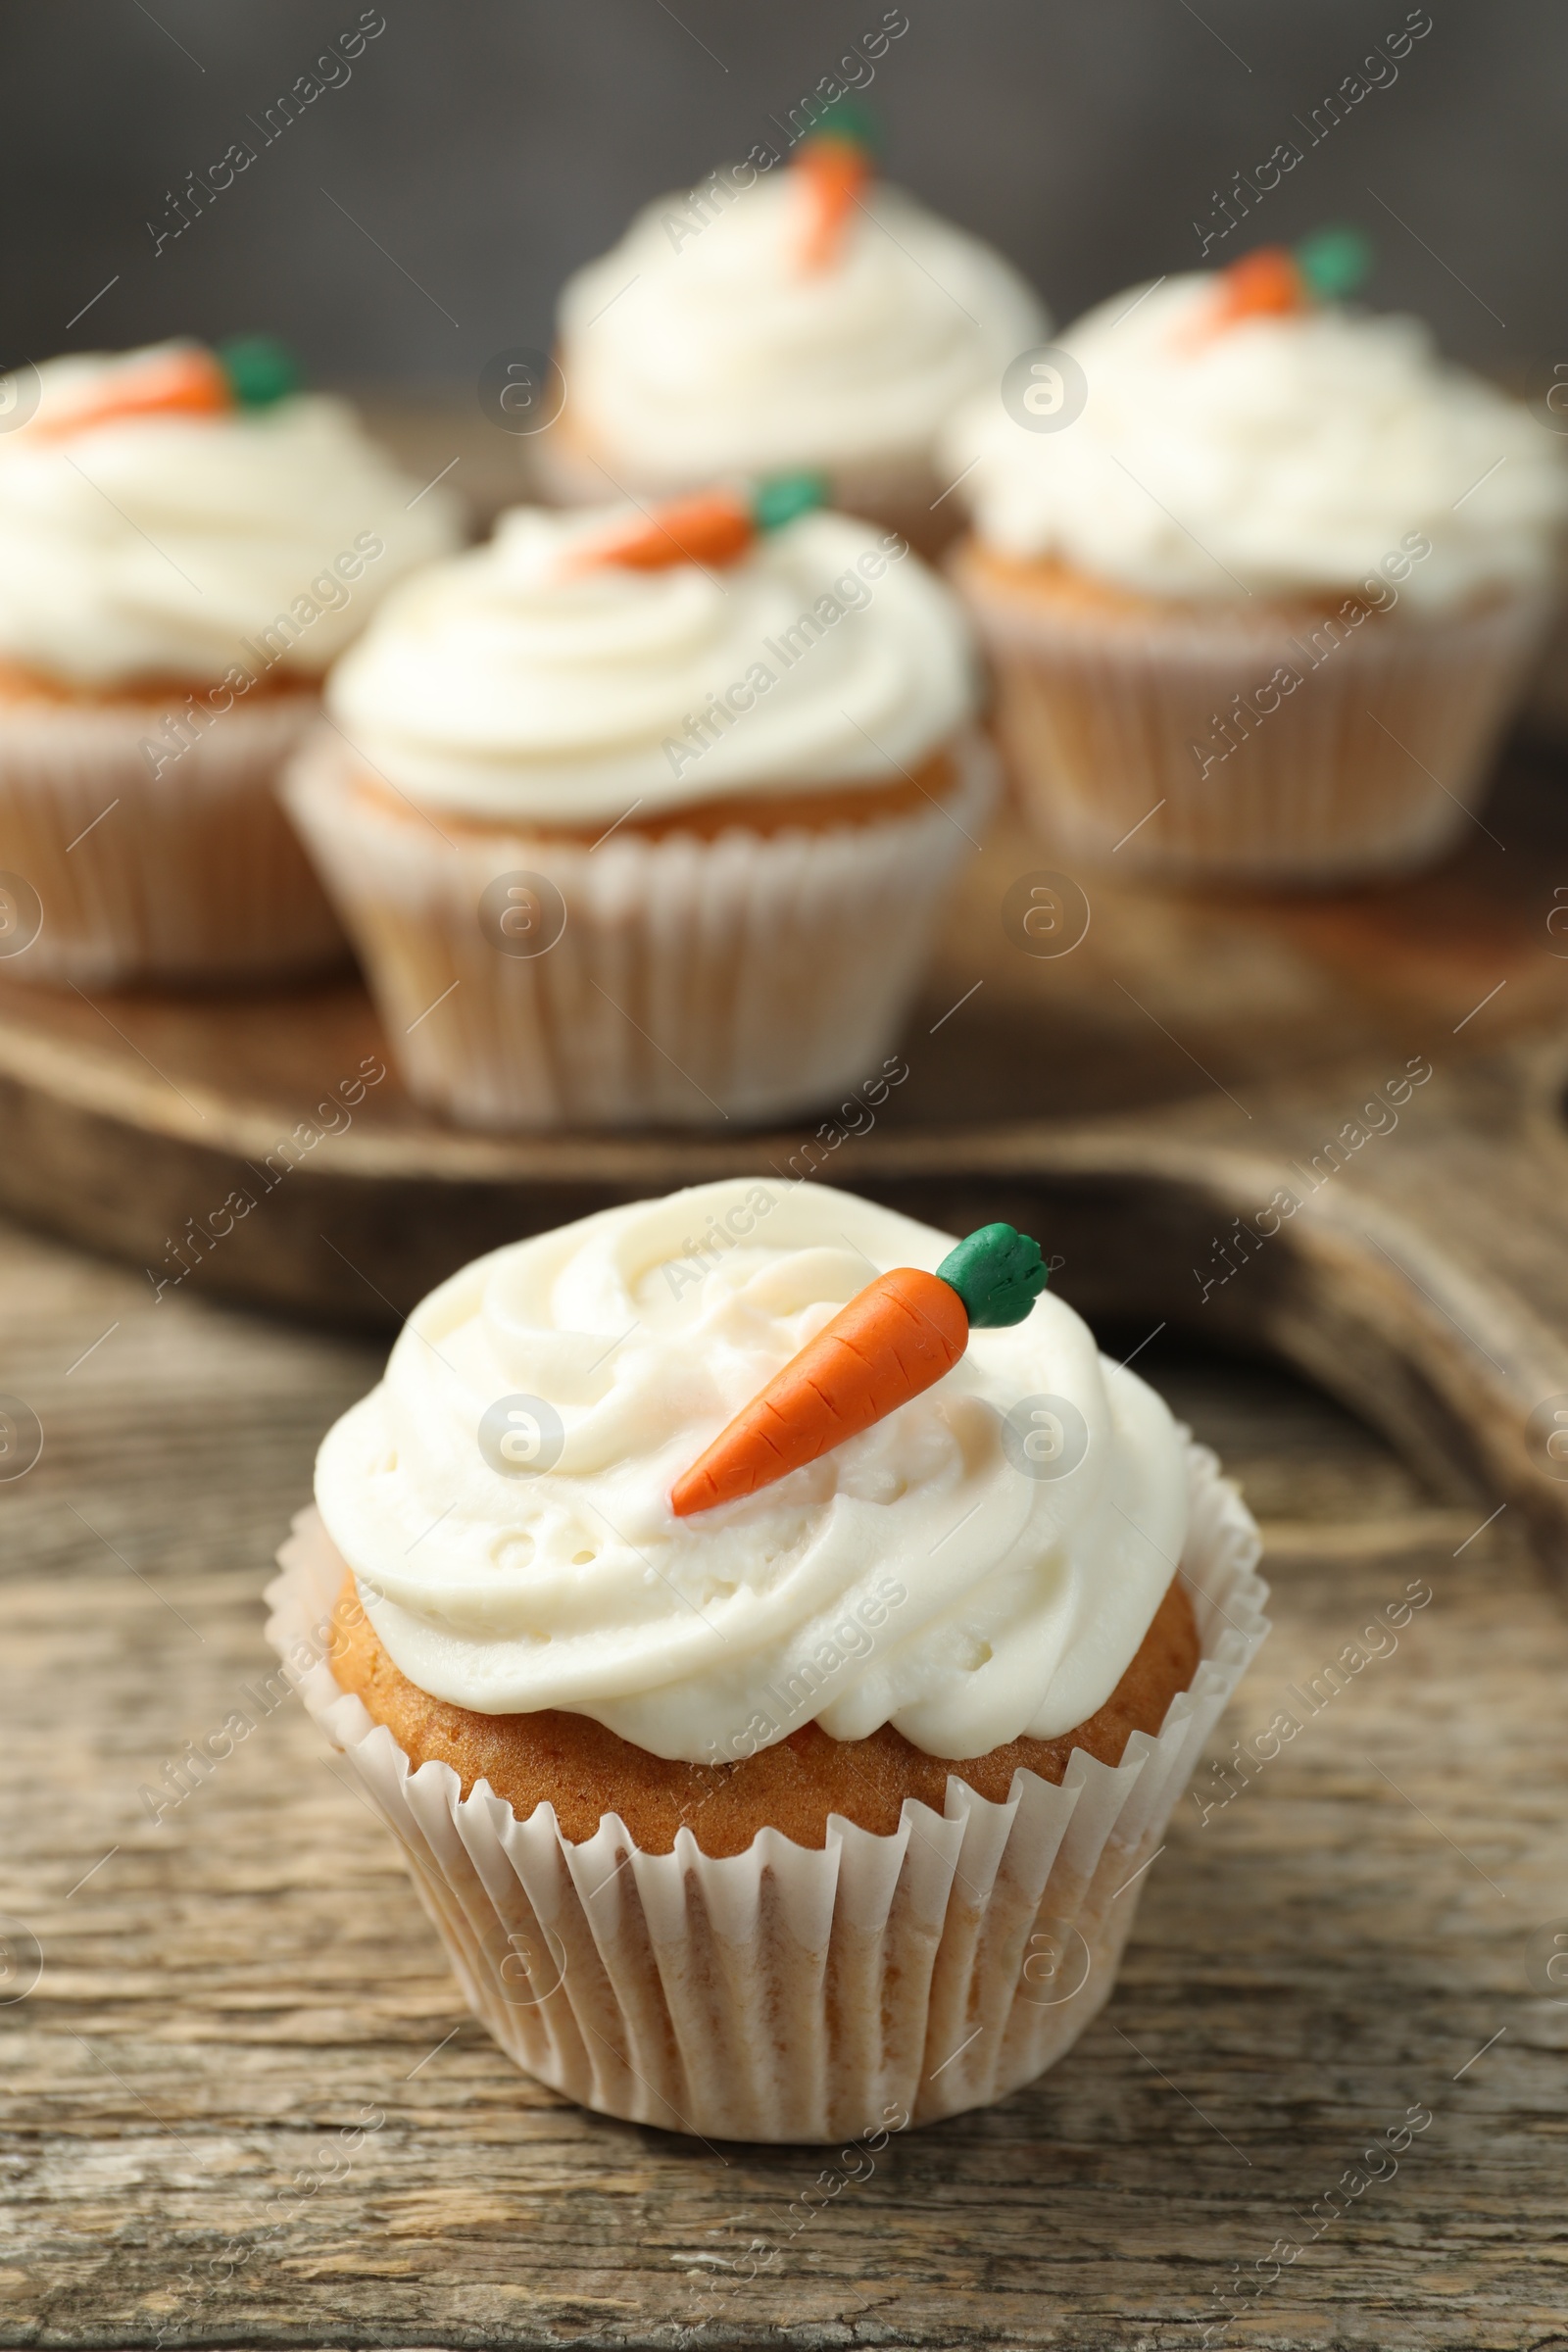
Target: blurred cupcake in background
[(1262, 576), (810, 315), (641, 820), (186, 541)]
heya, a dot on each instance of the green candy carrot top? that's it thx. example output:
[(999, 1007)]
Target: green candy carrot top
[(895, 1338)]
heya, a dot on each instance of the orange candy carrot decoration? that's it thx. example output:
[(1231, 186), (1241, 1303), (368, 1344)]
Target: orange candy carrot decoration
[(185, 379), (185, 382), (1279, 281), (833, 171), (1265, 284), (832, 166), (894, 1338), (714, 527)]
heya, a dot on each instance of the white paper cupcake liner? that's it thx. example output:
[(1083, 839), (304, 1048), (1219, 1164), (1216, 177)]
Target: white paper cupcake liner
[(192, 874), (745, 977), (1369, 765), (787, 1994)]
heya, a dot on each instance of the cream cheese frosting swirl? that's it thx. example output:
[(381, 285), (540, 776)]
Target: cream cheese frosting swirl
[(920, 1575), (506, 683), (158, 545), (691, 350), (1282, 456)]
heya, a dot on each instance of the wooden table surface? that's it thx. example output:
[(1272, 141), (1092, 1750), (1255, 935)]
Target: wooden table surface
[(243, 2104)]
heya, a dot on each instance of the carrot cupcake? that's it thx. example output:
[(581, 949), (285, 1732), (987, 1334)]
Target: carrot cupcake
[(185, 543), (1262, 585), (808, 316), (645, 821), (758, 1800)]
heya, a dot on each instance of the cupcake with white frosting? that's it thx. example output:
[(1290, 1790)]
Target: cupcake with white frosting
[(810, 315), (1268, 595), (828, 1804), (628, 838), (185, 544)]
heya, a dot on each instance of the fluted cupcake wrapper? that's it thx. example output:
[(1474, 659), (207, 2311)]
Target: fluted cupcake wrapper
[(193, 872), (788, 1993), (748, 976), (1124, 738)]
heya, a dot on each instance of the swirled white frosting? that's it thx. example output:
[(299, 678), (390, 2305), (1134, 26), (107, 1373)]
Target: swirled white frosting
[(159, 545), (914, 1576), (1281, 456), (504, 683), (691, 350)]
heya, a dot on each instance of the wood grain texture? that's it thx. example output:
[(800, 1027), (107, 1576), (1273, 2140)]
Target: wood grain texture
[(227, 1992), (1137, 1102)]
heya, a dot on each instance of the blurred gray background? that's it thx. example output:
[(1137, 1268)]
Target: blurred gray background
[(476, 153)]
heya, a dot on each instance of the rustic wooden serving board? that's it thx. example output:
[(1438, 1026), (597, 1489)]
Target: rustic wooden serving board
[(1391, 1061), (243, 2104)]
